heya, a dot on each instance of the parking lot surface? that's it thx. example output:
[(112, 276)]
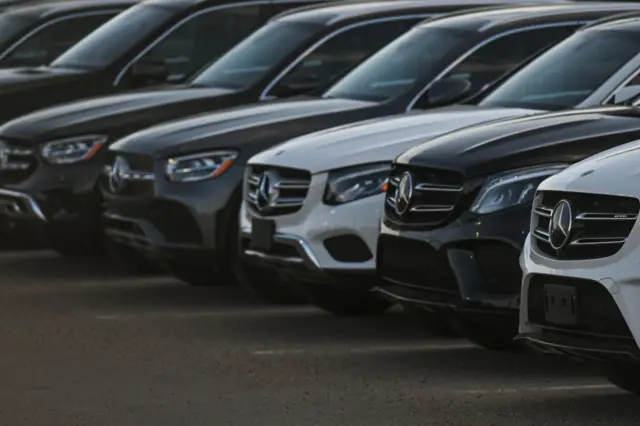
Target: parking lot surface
[(83, 344)]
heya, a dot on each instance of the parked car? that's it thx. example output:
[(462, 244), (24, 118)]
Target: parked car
[(459, 208), (181, 159), (330, 233), (39, 32), (153, 42), (294, 53), (580, 264)]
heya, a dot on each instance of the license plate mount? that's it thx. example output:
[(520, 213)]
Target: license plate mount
[(262, 232), (561, 305)]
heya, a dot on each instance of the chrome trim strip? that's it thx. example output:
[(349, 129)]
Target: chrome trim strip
[(133, 176), (596, 241), (285, 238), (543, 211), (437, 187), (426, 208), (272, 257), (265, 93), (177, 25), (607, 216), (33, 205), (478, 46), (541, 235), (31, 33)]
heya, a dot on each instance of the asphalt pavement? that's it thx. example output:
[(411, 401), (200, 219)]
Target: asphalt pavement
[(83, 344)]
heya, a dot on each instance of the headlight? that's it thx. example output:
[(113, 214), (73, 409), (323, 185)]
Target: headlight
[(72, 150), (197, 167), (512, 188), (354, 183)]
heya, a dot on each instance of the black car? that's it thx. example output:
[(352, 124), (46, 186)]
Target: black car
[(458, 207), (39, 32), (174, 191), (294, 53)]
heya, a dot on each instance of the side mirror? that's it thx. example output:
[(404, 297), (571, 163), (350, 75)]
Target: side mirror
[(447, 91), (297, 86), (149, 72)]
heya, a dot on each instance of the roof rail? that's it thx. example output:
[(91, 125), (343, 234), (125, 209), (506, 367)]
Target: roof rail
[(613, 18)]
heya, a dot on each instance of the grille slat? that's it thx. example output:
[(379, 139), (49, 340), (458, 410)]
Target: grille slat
[(274, 191), (435, 196), (17, 162), (601, 224)]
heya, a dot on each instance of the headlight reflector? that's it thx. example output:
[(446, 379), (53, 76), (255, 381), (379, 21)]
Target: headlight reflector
[(355, 183), (198, 167), (512, 188), (72, 150)]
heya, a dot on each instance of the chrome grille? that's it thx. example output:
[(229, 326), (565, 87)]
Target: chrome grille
[(17, 163), (272, 191), (599, 228), (434, 196)]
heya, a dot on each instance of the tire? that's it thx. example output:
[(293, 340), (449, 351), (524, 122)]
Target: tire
[(488, 336), (626, 377), (131, 261), (434, 323), (346, 304)]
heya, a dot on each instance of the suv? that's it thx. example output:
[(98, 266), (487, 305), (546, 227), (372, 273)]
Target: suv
[(580, 264), (458, 210), (188, 160), (37, 33), (337, 221), (294, 53)]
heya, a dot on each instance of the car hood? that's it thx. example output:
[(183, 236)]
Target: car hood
[(565, 137), (613, 172), (114, 115), (376, 140), (241, 127), (17, 79)]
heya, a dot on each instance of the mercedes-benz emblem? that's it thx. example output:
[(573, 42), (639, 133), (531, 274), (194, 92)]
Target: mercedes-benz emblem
[(267, 193), (560, 225), (118, 175), (404, 193)]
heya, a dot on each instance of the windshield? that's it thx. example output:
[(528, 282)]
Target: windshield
[(568, 73), (257, 55), (412, 59), (12, 24), (115, 38)]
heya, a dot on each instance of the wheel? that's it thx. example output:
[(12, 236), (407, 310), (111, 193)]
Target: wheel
[(489, 336), (345, 304), (626, 377), (132, 261), (433, 322)]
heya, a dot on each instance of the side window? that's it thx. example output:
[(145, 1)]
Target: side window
[(203, 39), (45, 45), (502, 54), (339, 54)]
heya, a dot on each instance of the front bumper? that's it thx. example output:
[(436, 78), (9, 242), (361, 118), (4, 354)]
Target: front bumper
[(52, 202), (175, 220), (468, 267), (608, 293), (320, 244)]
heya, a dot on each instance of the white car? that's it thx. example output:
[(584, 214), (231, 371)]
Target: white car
[(324, 193), (581, 269)]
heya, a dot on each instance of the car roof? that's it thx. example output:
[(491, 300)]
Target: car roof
[(511, 17), (627, 22), (330, 14), (43, 9)]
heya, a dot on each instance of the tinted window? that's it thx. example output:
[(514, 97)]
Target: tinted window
[(412, 59), (117, 37), (342, 52), (204, 39), (12, 25), (502, 54), (52, 40), (258, 54), (568, 73)]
